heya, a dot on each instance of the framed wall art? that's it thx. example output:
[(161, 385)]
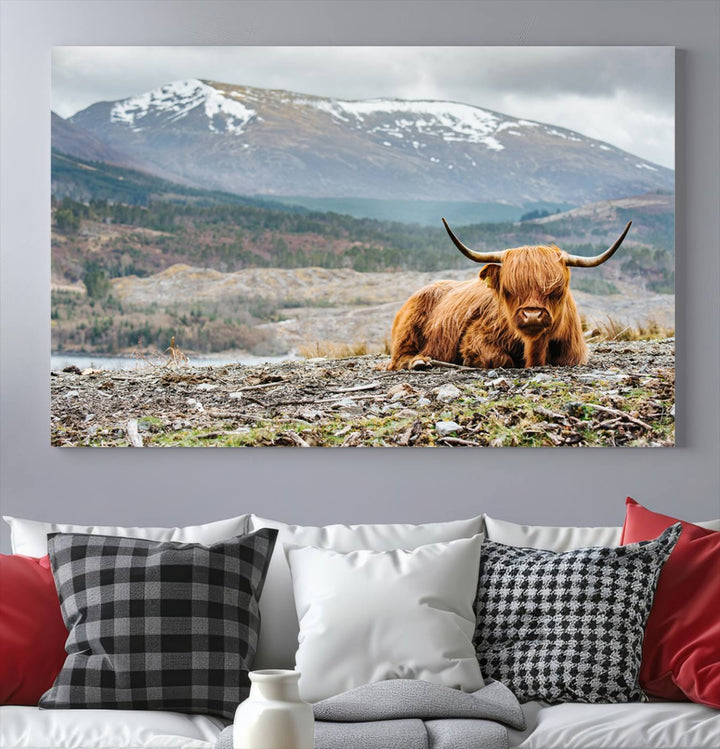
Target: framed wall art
[(363, 246)]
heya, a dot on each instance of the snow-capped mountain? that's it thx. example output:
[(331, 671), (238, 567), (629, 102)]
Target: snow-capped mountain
[(175, 101), (259, 141)]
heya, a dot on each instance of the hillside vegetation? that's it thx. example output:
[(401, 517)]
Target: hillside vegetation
[(139, 231), (145, 239)]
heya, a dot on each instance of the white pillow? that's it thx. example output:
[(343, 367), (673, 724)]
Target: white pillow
[(559, 538), (279, 626), (550, 537), (366, 616), (711, 525), (29, 537)]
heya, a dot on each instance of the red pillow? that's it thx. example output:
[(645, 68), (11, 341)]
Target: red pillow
[(32, 633), (681, 650)]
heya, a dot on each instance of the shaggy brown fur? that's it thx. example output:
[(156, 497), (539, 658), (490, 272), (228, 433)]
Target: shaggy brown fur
[(518, 314)]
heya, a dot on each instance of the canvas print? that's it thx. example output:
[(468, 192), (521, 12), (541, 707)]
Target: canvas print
[(363, 247)]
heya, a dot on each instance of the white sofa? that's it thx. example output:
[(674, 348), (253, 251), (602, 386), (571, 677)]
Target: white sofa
[(651, 725)]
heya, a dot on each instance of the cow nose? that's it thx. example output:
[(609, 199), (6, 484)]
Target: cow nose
[(532, 315)]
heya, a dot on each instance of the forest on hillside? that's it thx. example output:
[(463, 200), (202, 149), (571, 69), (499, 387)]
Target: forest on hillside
[(113, 223), (146, 239)]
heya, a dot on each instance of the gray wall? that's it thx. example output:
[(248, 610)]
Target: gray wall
[(557, 486)]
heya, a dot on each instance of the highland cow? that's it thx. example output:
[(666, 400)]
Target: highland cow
[(519, 312)]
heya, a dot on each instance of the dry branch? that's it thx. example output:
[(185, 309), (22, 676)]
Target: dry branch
[(619, 414), (296, 439), (455, 441), (258, 387), (355, 388), (450, 365), (133, 434)]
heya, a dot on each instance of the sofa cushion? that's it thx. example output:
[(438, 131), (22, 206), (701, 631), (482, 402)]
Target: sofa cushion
[(157, 625), (681, 650), (29, 537), (279, 633), (655, 725), (549, 537), (367, 616), (649, 725), (567, 626), (559, 537), (30, 728), (32, 632)]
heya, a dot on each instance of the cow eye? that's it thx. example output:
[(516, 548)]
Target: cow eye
[(555, 295), (506, 294)]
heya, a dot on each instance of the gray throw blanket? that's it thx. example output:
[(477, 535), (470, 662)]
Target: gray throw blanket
[(409, 714)]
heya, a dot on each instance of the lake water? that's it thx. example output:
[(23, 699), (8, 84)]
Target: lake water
[(91, 361)]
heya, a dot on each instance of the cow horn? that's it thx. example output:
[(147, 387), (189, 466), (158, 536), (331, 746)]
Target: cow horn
[(478, 257), (577, 261)]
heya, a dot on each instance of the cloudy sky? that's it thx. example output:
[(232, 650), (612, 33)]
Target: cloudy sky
[(622, 95)]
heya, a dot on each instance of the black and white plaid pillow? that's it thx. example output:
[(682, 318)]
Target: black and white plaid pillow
[(567, 627), (157, 625)]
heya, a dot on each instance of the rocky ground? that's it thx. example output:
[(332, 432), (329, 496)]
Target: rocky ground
[(623, 397)]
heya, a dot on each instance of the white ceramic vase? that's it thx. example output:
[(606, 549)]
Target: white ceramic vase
[(274, 716)]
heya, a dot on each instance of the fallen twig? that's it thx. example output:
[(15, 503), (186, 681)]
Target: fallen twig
[(355, 388), (295, 438), (456, 441), (619, 414), (609, 423), (133, 434), (244, 388), (449, 365)]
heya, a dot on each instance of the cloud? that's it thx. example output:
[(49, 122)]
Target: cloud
[(614, 119), (592, 72), (623, 95)]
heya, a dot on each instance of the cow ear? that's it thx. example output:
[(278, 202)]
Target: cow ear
[(491, 275)]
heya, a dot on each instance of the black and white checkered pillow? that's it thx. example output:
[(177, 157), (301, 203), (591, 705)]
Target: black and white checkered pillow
[(157, 625), (567, 627)]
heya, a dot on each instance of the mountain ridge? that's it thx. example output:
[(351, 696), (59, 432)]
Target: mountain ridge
[(83, 144), (248, 140)]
